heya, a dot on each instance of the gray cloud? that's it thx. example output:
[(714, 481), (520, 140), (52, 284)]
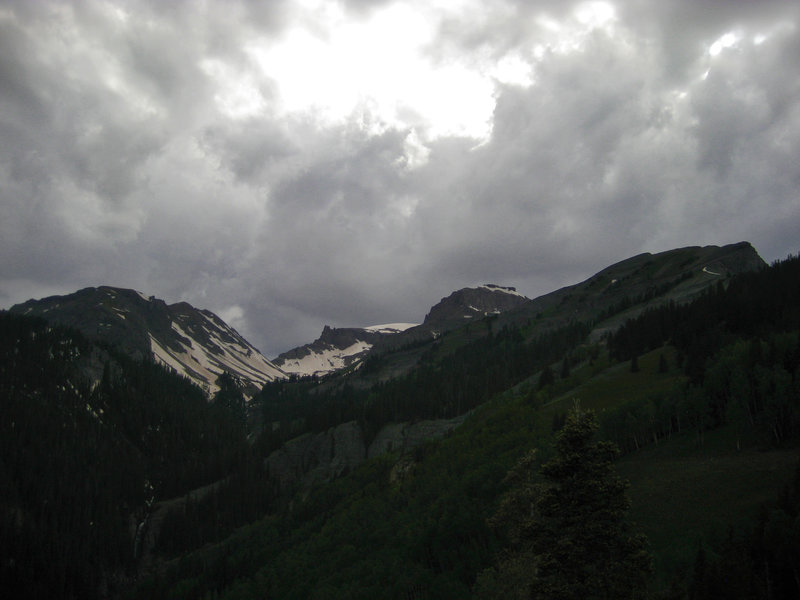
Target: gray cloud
[(143, 145)]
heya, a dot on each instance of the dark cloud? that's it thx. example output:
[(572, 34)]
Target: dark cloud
[(148, 145)]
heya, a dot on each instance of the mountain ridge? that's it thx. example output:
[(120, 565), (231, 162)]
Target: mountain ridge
[(198, 344)]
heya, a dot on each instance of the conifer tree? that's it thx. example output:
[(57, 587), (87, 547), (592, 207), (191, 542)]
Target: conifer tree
[(229, 397), (583, 544), (572, 528)]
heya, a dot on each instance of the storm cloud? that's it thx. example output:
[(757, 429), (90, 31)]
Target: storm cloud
[(295, 164)]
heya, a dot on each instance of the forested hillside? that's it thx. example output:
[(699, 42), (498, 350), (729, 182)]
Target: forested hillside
[(715, 380), (82, 460)]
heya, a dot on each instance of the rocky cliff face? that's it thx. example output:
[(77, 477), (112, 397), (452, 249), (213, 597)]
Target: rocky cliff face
[(474, 303), (404, 437), (317, 458)]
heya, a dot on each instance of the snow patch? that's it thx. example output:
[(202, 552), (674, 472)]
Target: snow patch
[(165, 357), (204, 366), (499, 288), (390, 327), (322, 363)]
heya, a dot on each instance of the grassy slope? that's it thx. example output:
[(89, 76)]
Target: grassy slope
[(682, 491)]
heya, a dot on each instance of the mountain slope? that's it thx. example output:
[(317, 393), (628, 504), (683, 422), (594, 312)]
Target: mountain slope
[(192, 342), (417, 520), (628, 287)]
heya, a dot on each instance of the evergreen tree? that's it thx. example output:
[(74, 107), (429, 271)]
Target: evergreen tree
[(229, 397), (572, 527)]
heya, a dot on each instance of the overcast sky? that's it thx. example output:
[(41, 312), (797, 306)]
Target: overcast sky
[(300, 163)]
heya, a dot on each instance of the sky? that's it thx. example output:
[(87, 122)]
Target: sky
[(295, 164)]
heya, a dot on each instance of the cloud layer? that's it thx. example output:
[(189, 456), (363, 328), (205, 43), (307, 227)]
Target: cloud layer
[(350, 163)]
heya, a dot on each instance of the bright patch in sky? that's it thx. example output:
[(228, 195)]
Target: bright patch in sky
[(342, 66), (725, 41), (336, 67), (595, 14)]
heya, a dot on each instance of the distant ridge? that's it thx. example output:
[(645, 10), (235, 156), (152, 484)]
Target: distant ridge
[(335, 349), (339, 348)]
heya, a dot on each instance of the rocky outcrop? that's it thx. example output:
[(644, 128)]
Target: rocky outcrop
[(318, 458), (474, 303), (404, 437)]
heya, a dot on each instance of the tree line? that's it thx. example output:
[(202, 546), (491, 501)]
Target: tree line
[(439, 387)]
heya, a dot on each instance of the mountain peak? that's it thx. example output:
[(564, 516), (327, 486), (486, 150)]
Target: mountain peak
[(192, 342), (474, 303)]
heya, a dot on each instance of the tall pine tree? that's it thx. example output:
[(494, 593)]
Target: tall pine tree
[(570, 529)]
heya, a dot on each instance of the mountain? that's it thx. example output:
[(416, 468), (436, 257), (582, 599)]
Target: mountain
[(460, 330), (198, 344), (334, 349), (192, 342)]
